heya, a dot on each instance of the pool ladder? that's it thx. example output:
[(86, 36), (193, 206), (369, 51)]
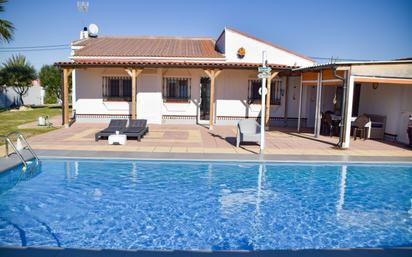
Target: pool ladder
[(8, 142)]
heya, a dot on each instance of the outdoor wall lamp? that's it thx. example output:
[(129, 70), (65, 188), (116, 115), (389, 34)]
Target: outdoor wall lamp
[(375, 85)]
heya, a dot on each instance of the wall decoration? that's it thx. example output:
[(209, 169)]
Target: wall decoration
[(241, 53)]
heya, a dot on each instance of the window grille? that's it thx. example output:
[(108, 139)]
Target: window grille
[(276, 91), (176, 89), (117, 88)]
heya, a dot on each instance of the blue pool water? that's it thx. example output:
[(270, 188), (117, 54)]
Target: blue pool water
[(206, 205)]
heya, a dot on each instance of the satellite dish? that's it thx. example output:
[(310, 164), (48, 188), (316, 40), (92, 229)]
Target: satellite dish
[(93, 30)]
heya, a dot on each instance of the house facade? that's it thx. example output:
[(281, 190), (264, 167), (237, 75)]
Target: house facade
[(214, 81), (172, 86)]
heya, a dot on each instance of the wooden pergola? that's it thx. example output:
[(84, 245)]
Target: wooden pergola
[(135, 68)]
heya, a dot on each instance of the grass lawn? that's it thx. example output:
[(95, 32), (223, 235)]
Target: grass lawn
[(10, 120)]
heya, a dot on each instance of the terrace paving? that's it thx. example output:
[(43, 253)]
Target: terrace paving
[(197, 139)]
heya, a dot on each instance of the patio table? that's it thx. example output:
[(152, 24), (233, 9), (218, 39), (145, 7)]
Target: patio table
[(117, 139)]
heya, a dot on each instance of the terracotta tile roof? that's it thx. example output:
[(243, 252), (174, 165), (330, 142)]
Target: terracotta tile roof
[(148, 47), (155, 64)]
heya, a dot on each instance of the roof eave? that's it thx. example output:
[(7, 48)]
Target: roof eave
[(170, 65), (348, 64)]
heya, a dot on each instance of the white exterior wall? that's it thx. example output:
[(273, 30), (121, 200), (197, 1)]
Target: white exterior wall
[(232, 92), (149, 96), (392, 101), (34, 96), (186, 108), (233, 41), (89, 94)]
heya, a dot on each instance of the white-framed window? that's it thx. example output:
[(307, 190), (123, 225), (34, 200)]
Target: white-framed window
[(117, 88), (276, 91), (176, 89)]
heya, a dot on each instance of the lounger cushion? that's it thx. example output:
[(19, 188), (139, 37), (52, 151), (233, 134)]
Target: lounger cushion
[(140, 123)]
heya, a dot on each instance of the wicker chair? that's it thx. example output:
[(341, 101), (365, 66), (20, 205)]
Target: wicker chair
[(362, 125), (247, 130), (378, 124)]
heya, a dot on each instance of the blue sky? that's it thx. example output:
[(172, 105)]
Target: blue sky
[(351, 29)]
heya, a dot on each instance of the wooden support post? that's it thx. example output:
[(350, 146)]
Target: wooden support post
[(268, 96), (134, 73), (212, 74), (66, 117), (285, 115)]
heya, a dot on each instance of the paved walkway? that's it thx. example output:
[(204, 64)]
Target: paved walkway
[(198, 139), (54, 121)]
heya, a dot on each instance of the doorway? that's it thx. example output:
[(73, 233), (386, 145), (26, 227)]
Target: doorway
[(356, 99), (204, 100)]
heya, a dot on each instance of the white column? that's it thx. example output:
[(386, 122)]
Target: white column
[(348, 112), (73, 90), (300, 101), (263, 107), (318, 105)]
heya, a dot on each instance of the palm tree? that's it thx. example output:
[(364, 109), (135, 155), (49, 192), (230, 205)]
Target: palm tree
[(6, 27), (18, 74)]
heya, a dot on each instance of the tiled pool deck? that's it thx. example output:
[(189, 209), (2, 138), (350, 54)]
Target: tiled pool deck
[(186, 140)]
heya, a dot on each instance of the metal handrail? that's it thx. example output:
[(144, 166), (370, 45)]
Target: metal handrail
[(7, 141), (18, 135)]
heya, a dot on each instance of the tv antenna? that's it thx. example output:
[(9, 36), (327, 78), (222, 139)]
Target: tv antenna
[(83, 7)]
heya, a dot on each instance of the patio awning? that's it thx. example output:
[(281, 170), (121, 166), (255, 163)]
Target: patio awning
[(397, 72)]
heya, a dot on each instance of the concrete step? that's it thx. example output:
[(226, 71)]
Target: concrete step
[(13, 160)]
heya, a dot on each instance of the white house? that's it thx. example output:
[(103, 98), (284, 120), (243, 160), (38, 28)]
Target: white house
[(202, 80), (34, 96)]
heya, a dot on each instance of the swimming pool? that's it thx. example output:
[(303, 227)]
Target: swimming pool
[(206, 205)]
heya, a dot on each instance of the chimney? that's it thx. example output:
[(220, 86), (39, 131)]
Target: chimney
[(84, 33)]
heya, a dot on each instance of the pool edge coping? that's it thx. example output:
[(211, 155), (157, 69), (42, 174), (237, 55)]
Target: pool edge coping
[(225, 160), (120, 155), (383, 251)]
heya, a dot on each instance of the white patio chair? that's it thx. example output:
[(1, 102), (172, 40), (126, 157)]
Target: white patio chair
[(247, 131)]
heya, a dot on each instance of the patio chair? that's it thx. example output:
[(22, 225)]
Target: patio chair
[(328, 125), (378, 124), (114, 125), (362, 124), (137, 129), (247, 131)]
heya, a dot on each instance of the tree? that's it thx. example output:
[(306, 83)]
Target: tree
[(50, 80), (18, 74), (6, 27)]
